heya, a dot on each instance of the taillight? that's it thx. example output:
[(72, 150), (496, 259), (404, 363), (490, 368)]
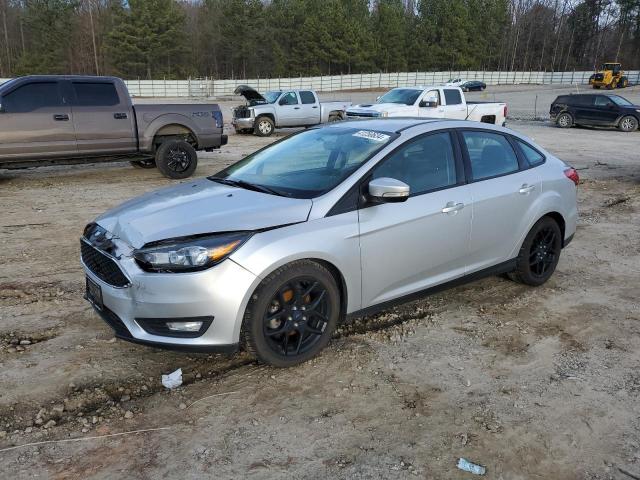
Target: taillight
[(505, 111), (217, 115), (572, 174)]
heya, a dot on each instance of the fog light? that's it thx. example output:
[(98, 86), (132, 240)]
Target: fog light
[(184, 326)]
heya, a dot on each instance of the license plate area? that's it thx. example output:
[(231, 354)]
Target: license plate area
[(93, 293)]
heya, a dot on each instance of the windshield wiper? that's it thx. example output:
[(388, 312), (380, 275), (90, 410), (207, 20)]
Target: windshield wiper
[(247, 185)]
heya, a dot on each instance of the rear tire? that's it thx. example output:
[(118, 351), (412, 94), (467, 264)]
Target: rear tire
[(334, 117), (539, 253), (176, 159), (264, 127), (564, 120), (623, 83), (292, 314), (628, 124)]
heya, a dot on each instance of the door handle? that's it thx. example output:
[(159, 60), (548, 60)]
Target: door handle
[(61, 117), (119, 116), (315, 106), (296, 108), (452, 207), (526, 189)]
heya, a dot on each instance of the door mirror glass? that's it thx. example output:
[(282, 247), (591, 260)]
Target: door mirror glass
[(386, 190)]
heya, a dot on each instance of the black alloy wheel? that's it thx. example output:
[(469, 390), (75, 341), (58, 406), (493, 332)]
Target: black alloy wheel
[(539, 253), (176, 159), (292, 314)]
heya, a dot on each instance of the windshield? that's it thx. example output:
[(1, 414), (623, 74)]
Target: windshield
[(308, 164), (271, 97), (620, 101), (405, 96)]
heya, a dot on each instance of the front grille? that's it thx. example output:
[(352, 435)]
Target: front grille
[(103, 266), (362, 114), (242, 112)]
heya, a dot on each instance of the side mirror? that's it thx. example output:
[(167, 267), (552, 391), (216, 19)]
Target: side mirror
[(282, 102), (428, 103), (387, 190), (378, 98)]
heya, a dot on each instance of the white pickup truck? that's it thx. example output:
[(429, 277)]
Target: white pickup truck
[(283, 108), (431, 102)]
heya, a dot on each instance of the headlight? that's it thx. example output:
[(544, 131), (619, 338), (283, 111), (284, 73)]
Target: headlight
[(189, 254), (384, 114)]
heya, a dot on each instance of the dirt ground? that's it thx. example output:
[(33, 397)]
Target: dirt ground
[(530, 382)]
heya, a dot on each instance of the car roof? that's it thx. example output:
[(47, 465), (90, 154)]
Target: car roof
[(388, 125), (65, 77)]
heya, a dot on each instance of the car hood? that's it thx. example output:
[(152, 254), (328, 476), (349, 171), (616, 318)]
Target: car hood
[(251, 94), (378, 107), (199, 207)]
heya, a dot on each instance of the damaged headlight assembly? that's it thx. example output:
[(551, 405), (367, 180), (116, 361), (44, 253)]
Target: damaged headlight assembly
[(189, 254)]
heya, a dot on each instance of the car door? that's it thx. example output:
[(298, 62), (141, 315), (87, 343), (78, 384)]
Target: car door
[(583, 108), (36, 121), (430, 105), (503, 195), (454, 106), (605, 111), (289, 111), (410, 246), (102, 118), (309, 107)]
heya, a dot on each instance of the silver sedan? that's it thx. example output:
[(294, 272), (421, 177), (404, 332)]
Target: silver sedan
[(272, 252)]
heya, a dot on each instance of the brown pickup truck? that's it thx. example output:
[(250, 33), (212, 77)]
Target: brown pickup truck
[(51, 120)]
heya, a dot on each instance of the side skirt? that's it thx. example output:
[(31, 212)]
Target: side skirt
[(505, 267)]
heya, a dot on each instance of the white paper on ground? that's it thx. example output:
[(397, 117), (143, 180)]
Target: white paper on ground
[(172, 380)]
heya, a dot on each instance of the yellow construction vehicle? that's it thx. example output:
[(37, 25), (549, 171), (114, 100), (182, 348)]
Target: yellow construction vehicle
[(609, 76)]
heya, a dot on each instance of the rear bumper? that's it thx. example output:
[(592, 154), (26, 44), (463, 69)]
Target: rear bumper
[(214, 140)]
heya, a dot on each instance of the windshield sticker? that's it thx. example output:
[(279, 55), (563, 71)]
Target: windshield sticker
[(375, 136)]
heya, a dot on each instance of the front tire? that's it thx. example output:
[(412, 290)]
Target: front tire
[(564, 120), (628, 124), (292, 314), (539, 254), (264, 127), (176, 159)]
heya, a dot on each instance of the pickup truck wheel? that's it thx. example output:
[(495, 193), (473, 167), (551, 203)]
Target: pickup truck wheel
[(628, 124), (149, 163), (264, 127), (564, 120), (176, 159), (334, 117)]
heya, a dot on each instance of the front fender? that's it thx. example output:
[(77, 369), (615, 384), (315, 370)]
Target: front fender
[(331, 239)]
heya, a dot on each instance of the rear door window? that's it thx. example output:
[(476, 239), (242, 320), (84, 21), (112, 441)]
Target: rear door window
[(582, 100), (452, 96), (490, 154), (95, 94), (307, 98), (31, 97)]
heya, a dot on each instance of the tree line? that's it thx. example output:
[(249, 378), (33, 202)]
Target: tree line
[(278, 38)]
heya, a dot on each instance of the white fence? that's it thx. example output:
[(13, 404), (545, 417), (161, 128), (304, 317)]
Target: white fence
[(211, 88)]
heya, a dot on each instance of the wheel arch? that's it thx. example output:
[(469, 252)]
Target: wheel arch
[(168, 125), (559, 219), (268, 115)]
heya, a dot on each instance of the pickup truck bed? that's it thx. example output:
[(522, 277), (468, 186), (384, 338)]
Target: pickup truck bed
[(52, 120)]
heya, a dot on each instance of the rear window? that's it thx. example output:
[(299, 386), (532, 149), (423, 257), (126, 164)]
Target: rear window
[(95, 94), (307, 98), (534, 157), (581, 100), (562, 99), (490, 154), (452, 97)]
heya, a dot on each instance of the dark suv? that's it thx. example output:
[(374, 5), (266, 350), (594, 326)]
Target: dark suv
[(595, 109)]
